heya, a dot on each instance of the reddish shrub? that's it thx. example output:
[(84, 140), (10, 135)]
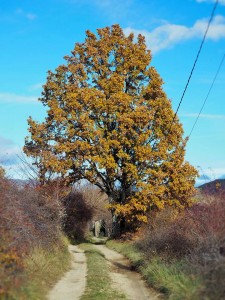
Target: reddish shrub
[(28, 217), (167, 237), (198, 236)]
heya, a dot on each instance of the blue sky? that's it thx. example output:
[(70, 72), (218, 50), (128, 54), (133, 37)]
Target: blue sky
[(35, 35)]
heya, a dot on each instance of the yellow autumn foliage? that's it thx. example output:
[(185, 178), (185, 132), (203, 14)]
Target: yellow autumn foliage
[(109, 122)]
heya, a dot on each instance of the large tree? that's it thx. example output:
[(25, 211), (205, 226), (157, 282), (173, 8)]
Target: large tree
[(110, 122)]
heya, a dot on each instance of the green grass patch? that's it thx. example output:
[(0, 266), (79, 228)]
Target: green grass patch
[(98, 279), (129, 250), (172, 279), (43, 268), (97, 241)]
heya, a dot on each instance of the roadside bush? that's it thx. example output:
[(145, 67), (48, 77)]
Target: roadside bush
[(83, 206), (77, 216), (168, 235), (11, 261), (43, 267), (208, 258), (30, 217), (194, 237)]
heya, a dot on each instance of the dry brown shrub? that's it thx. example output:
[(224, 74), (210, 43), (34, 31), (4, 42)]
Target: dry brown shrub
[(167, 235), (208, 258), (197, 236), (85, 204), (29, 217), (77, 216)]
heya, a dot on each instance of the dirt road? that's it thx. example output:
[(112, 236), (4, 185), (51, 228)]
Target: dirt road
[(125, 280), (72, 284)]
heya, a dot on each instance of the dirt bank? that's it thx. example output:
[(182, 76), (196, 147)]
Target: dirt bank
[(72, 285)]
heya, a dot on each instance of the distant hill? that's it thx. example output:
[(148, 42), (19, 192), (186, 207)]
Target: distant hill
[(20, 183), (213, 187)]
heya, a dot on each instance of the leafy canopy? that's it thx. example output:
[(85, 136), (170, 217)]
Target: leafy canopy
[(109, 121)]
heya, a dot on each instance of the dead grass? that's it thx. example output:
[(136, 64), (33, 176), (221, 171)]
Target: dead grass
[(42, 270)]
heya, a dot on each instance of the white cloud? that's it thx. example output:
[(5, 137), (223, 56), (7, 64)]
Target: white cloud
[(14, 98), (212, 172), (36, 87), (209, 174), (218, 172), (5, 141), (19, 13), (167, 35), (8, 152), (112, 3), (206, 116), (115, 10), (212, 1), (12, 160), (28, 15)]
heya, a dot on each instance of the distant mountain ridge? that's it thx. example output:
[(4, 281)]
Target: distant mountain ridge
[(214, 187)]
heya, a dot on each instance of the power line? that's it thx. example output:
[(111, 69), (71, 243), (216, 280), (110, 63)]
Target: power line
[(196, 59), (206, 98)]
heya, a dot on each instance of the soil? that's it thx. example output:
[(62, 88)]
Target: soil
[(72, 285), (124, 279)]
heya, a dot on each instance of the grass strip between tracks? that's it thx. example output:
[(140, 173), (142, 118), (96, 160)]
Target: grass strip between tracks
[(98, 280)]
